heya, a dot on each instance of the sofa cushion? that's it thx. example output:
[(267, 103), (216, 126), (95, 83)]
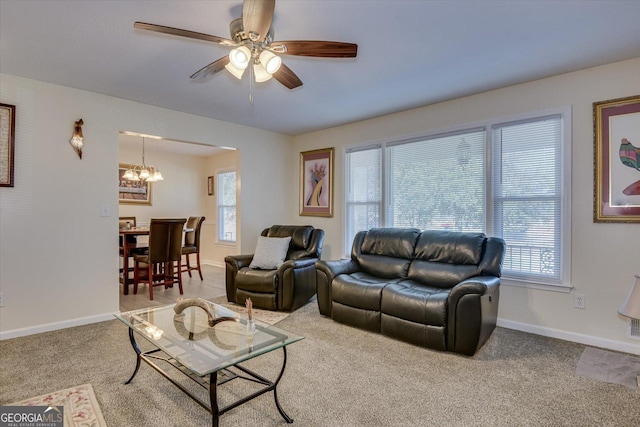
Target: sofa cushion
[(415, 302), (300, 235), (359, 290), (450, 247), (257, 280), (445, 258), (386, 252)]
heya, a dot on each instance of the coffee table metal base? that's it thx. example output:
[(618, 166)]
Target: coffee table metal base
[(212, 382)]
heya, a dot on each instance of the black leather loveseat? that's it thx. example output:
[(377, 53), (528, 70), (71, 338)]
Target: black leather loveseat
[(436, 289)]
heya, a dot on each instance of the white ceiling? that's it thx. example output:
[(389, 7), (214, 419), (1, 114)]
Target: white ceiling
[(410, 53), (133, 141)]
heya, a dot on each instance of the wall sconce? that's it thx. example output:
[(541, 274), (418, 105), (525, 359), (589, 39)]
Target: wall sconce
[(77, 140)]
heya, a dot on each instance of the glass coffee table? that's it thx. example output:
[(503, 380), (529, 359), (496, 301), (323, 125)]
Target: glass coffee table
[(209, 355)]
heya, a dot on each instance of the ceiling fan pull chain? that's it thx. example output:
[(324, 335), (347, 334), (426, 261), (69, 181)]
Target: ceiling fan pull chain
[(251, 86)]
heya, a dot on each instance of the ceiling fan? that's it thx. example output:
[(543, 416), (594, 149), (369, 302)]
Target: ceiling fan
[(253, 44)]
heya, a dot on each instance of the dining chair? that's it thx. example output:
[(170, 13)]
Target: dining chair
[(156, 267), (192, 244)]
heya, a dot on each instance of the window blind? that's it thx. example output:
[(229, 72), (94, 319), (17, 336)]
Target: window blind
[(438, 183), (527, 197)]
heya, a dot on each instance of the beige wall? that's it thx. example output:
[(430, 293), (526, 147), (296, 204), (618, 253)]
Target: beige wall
[(213, 252), (181, 194), (58, 255), (57, 252), (605, 256)]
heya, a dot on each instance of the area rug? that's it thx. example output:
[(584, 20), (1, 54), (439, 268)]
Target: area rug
[(609, 367), (81, 407), (266, 316)]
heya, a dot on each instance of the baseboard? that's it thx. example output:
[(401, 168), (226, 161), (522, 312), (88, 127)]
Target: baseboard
[(213, 263), (48, 327), (571, 336)]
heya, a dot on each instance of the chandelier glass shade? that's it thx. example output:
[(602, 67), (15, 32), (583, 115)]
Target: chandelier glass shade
[(143, 173)]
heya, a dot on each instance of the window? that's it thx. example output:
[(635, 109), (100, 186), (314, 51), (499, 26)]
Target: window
[(438, 183), (446, 182), (364, 190), (226, 206), (527, 197)]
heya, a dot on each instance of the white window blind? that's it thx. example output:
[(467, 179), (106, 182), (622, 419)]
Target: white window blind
[(509, 178), (438, 183), (226, 206), (527, 197), (364, 191)]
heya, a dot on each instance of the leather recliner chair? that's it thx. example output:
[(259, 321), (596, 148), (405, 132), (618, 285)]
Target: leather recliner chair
[(286, 288)]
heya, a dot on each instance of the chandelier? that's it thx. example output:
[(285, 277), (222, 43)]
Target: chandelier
[(143, 173)]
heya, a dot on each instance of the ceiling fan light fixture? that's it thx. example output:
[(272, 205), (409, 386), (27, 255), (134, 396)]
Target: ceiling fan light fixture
[(260, 73), (270, 61), (240, 57), (236, 72)]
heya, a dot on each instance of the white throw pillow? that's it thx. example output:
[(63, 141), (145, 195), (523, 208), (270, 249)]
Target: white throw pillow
[(270, 252)]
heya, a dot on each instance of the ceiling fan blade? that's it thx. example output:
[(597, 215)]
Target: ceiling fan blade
[(184, 33), (323, 49), (257, 16), (210, 69), (287, 77)]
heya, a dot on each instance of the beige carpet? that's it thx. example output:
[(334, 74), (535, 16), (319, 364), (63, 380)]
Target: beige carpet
[(337, 376), (266, 316), (80, 405)]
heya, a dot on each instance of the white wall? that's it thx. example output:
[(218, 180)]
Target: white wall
[(58, 256), (605, 256)]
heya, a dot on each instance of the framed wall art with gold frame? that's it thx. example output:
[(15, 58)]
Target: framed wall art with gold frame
[(7, 144), (316, 182), (133, 192), (617, 160)]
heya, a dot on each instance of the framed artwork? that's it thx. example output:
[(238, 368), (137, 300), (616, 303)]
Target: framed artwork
[(7, 144), (133, 192), (316, 182), (210, 189), (617, 160)]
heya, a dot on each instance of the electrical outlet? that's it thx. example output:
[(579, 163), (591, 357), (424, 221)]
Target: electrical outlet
[(579, 301), (1, 299)]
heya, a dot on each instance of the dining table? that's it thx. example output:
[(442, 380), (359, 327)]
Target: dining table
[(128, 244)]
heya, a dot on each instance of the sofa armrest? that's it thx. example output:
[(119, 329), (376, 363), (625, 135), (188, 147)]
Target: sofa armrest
[(473, 312), (326, 271), (297, 263), (238, 261), (233, 263), (296, 283)]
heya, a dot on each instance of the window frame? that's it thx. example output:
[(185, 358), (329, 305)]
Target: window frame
[(565, 113), (219, 207)]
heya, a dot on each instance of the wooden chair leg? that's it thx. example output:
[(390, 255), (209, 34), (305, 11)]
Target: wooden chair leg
[(179, 273), (199, 269), (188, 266), (150, 273), (136, 277)]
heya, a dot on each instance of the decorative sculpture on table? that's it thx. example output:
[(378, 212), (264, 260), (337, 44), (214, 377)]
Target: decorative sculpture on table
[(77, 139), (181, 304), (251, 326)]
